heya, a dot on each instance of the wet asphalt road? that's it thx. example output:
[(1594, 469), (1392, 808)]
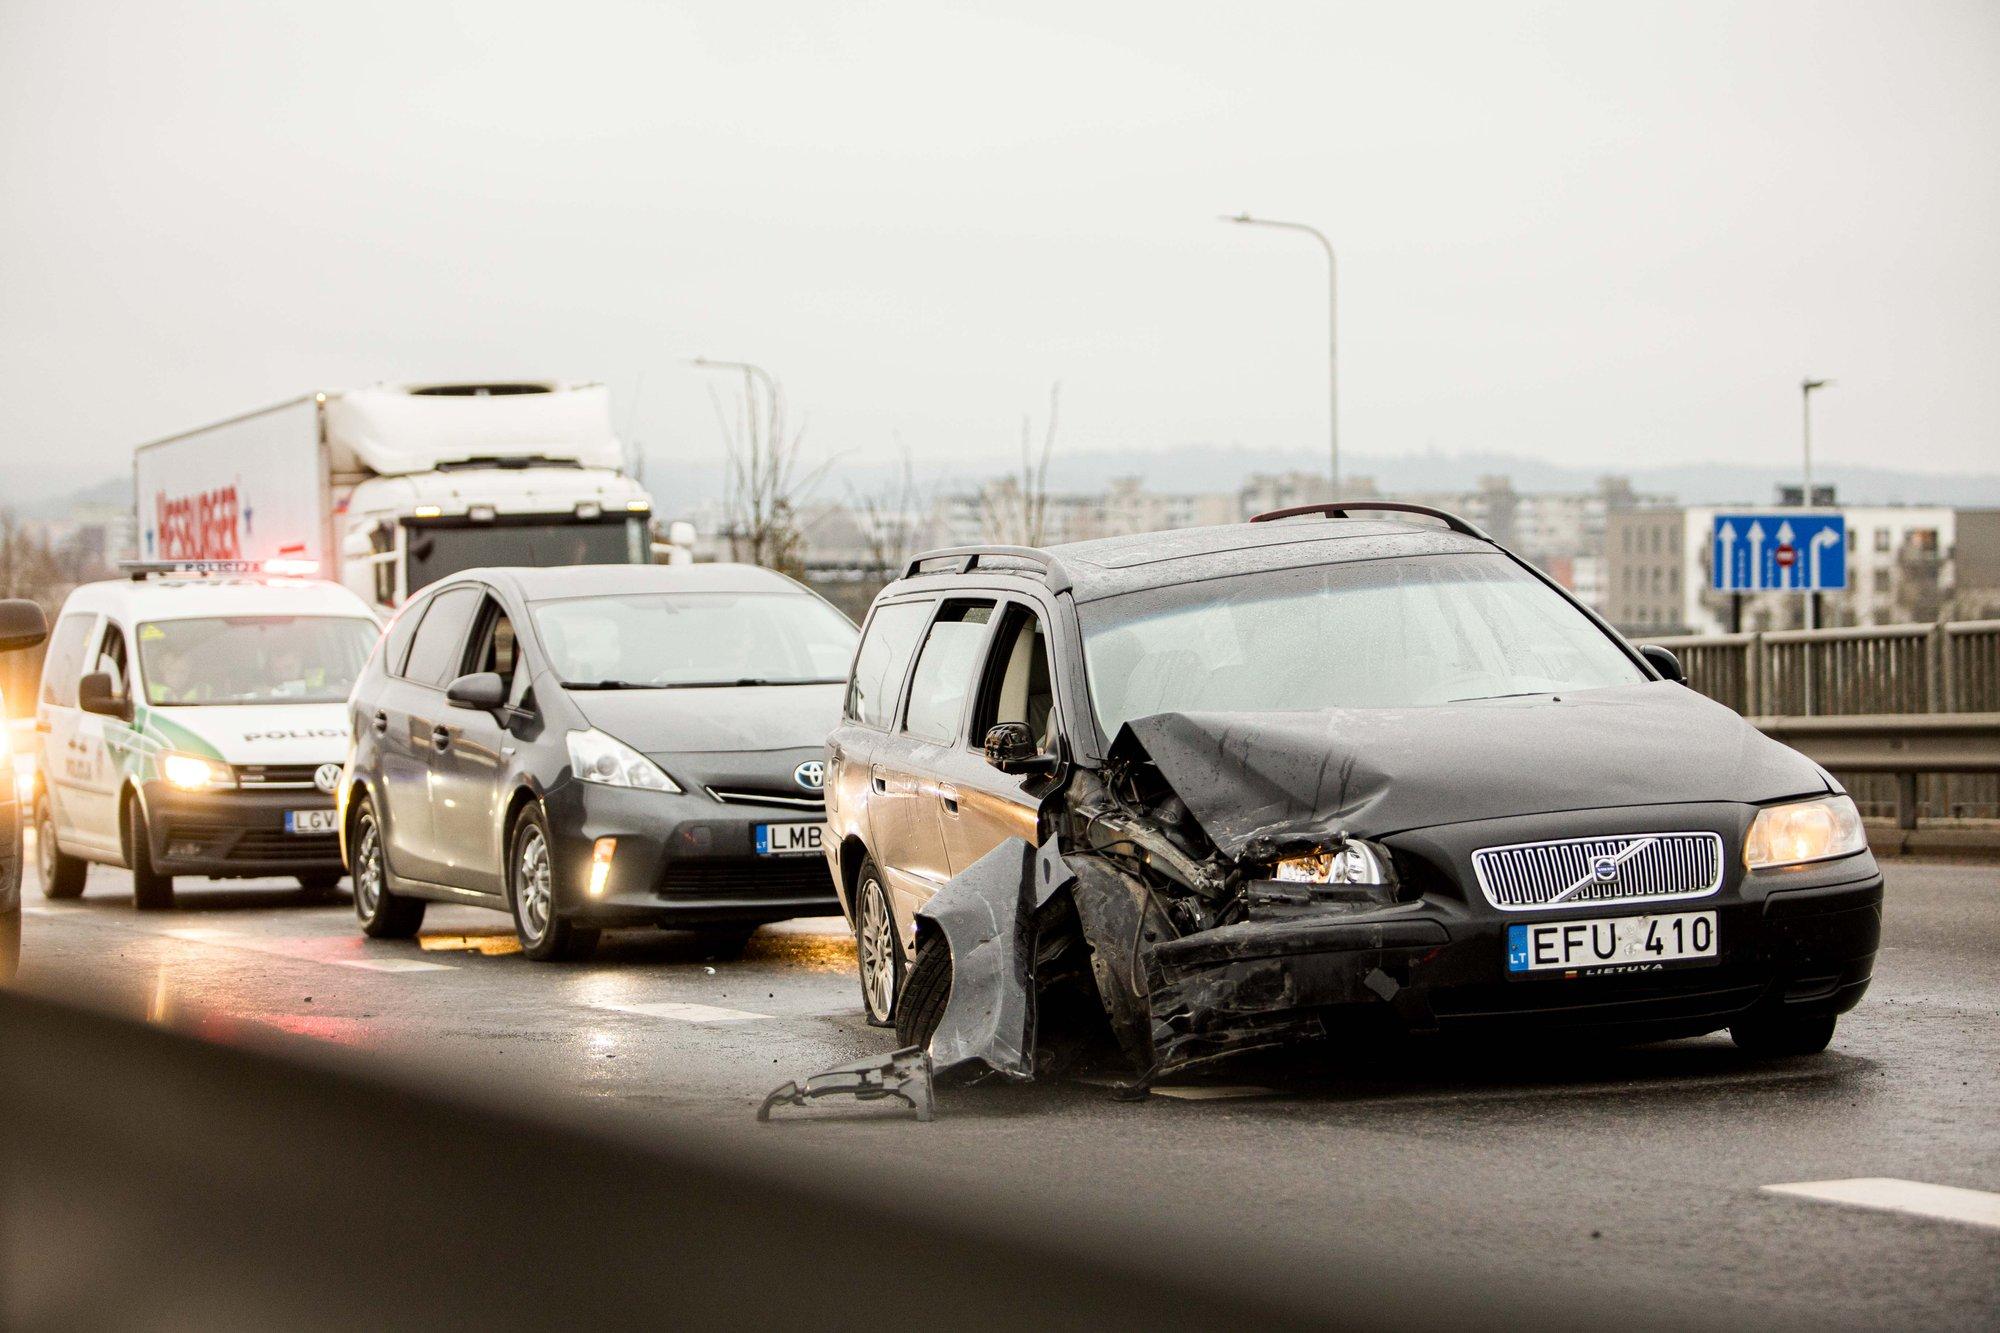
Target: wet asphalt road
[(1630, 1178)]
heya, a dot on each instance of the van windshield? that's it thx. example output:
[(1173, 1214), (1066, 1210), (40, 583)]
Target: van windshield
[(684, 639), (439, 550), (1400, 633), (224, 660)]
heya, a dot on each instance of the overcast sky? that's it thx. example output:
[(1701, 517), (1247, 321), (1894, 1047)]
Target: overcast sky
[(1598, 234)]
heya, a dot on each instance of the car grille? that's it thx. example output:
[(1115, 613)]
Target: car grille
[(233, 842), (794, 799), (266, 776), (1645, 867), (771, 877)]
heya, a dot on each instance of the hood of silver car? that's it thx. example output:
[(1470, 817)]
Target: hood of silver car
[(1374, 772), (744, 717)]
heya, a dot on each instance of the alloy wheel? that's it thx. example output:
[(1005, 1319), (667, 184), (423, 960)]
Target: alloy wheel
[(367, 870), (877, 943), (533, 885), (45, 841)]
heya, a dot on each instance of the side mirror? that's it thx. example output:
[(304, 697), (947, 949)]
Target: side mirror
[(22, 624), (95, 695), (1663, 661), (482, 691), (1010, 747)]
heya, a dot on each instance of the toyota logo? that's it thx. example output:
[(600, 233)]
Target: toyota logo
[(326, 777), (1604, 869), (811, 775)]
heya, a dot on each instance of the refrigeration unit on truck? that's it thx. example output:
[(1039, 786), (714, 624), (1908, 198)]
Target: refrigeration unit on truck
[(390, 488)]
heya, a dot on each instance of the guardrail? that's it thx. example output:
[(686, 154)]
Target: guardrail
[(1886, 678)]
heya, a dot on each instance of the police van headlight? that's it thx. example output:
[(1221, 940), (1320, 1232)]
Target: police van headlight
[(596, 757), (1802, 831), (190, 772)]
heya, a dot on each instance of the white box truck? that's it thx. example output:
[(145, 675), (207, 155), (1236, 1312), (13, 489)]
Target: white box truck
[(389, 488)]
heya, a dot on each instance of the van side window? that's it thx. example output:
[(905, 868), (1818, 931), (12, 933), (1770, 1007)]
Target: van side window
[(112, 659), (439, 649), (883, 658), (1017, 686), (63, 665), (945, 669)]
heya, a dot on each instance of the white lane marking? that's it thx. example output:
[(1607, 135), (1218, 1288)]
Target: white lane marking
[(1948, 1203), (1206, 1093), (685, 1013), (230, 939), (385, 964)]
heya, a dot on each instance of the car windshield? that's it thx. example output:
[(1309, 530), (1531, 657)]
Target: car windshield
[(253, 659), (1400, 633), (680, 639)]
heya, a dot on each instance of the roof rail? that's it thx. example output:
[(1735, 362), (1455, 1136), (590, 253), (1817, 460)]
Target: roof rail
[(970, 558), (1348, 508)]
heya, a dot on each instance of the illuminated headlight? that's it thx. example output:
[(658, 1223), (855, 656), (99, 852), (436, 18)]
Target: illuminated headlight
[(596, 757), (1354, 863), (190, 772), (1818, 830)]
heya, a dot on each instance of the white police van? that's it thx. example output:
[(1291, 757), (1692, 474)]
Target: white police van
[(192, 721)]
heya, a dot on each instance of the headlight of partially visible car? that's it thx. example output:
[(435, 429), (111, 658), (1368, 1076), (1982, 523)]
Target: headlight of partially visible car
[(191, 772), (596, 757), (1353, 863), (1802, 831)]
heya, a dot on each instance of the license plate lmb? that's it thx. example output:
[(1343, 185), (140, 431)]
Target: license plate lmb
[(789, 839), (1615, 944)]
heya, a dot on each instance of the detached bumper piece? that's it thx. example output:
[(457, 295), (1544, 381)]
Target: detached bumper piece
[(903, 1076)]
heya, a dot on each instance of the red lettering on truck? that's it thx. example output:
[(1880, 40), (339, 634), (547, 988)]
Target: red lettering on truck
[(202, 526)]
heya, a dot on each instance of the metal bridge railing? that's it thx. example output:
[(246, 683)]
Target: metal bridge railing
[(1876, 673)]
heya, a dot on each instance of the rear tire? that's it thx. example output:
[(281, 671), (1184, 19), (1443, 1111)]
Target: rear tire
[(152, 890), (546, 935), (384, 915), (925, 994), (62, 876), (319, 885), (878, 949), (1784, 1034), (727, 944)]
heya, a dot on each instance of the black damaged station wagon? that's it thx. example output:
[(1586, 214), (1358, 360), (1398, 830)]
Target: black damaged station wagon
[(1234, 787)]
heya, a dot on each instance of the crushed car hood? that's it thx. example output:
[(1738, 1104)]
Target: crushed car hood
[(733, 718), (1379, 771)]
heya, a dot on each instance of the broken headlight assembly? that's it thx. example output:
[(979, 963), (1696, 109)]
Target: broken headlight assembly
[(1353, 862)]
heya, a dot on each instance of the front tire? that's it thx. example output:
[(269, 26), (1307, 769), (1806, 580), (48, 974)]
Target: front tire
[(546, 935), (1784, 1034), (62, 876), (152, 890), (384, 915), (926, 995), (877, 948)]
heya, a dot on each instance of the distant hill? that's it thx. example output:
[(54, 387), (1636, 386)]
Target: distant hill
[(680, 487)]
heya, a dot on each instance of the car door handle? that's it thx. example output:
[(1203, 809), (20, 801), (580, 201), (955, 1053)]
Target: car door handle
[(877, 781), (380, 723), (441, 737), (949, 796)]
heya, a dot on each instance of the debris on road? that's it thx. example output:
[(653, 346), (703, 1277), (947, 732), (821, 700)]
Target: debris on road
[(903, 1076)]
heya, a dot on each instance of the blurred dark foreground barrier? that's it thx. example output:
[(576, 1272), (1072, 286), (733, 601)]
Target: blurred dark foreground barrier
[(149, 1179)]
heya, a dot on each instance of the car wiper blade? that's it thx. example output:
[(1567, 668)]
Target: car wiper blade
[(1518, 694), (608, 685), (746, 680)]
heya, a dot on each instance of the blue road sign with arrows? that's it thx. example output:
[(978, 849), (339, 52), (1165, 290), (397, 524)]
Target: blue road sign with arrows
[(1784, 551)]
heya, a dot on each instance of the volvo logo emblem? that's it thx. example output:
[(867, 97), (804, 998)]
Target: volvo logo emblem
[(811, 775), (1604, 869), (326, 777)]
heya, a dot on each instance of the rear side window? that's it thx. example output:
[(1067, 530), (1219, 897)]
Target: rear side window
[(945, 670), (879, 666), (63, 663), (439, 648), (396, 644)]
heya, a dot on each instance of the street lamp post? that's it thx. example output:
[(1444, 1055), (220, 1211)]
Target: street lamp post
[(1806, 387), (1332, 333)]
